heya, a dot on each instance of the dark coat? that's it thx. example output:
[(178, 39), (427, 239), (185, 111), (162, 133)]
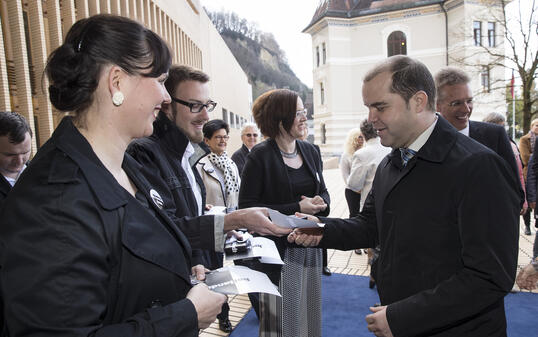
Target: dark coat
[(83, 257), (160, 156), (495, 137), (240, 157), (265, 183), (448, 227), (5, 187)]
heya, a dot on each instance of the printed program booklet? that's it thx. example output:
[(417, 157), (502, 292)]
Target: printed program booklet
[(233, 280)]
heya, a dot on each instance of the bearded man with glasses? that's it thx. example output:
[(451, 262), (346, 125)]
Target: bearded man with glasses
[(170, 154)]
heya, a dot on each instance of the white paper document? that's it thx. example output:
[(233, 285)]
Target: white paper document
[(260, 247), (216, 210), (292, 221), (233, 280)]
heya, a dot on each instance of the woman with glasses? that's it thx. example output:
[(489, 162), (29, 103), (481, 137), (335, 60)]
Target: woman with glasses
[(285, 174), (221, 180), (218, 171)]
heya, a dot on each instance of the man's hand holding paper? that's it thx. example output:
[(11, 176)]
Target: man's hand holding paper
[(307, 237)]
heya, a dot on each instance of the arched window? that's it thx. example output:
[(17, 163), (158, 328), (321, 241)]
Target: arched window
[(396, 44)]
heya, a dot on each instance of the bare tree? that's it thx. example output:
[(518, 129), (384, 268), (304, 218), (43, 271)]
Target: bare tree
[(516, 50)]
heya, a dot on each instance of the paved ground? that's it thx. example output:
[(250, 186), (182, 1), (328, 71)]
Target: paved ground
[(346, 262)]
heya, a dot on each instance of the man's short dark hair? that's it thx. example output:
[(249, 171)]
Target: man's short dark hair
[(367, 130), (14, 126), (449, 76), (181, 73), (213, 126), (408, 77)]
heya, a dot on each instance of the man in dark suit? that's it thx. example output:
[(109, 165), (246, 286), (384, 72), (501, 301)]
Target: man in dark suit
[(169, 155), (455, 104), (15, 148), (249, 137), (444, 210)]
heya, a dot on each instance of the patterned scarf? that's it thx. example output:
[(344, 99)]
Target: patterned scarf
[(533, 139), (225, 164)]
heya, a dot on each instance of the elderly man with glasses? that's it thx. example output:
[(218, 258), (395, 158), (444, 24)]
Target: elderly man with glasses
[(249, 137)]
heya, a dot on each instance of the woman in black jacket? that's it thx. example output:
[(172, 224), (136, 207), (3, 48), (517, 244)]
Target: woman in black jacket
[(87, 249), (285, 174)]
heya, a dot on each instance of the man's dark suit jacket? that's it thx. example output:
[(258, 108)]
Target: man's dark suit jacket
[(448, 228), (494, 137), (5, 187), (160, 156), (240, 157)]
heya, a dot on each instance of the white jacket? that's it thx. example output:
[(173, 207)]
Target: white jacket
[(363, 166)]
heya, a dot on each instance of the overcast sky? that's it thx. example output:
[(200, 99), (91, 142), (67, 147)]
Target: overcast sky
[(286, 19)]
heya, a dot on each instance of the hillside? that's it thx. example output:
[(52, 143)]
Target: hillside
[(258, 54)]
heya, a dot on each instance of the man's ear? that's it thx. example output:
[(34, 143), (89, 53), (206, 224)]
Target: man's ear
[(420, 101)]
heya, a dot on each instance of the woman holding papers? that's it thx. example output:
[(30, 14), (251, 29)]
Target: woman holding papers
[(87, 248), (285, 174)]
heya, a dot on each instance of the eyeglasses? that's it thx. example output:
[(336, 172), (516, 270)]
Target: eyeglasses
[(251, 135), (221, 138), (196, 107), (456, 104), (301, 113)]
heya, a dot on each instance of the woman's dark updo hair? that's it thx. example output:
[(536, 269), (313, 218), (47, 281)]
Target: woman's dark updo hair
[(73, 69)]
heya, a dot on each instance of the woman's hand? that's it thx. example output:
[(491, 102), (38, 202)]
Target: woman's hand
[(312, 205), (208, 304), (199, 271)]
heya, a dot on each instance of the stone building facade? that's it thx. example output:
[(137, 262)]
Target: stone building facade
[(32, 29), (350, 36)]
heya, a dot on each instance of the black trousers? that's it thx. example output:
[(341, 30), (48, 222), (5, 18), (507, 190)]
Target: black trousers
[(527, 217), (353, 202)]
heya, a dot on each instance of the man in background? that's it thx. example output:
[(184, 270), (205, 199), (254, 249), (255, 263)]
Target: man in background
[(455, 104), (15, 148), (249, 137)]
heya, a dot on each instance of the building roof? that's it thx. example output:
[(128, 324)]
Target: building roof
[(355, 8)]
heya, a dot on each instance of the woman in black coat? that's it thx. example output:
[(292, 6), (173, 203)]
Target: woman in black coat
[(285, 174), (87, 249)]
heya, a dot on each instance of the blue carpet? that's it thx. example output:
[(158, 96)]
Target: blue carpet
[(346, 300)]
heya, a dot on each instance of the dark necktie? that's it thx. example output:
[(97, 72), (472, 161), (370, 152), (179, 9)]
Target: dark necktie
[(406, 154)]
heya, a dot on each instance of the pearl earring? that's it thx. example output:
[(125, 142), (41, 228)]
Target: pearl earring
[(117, 98)]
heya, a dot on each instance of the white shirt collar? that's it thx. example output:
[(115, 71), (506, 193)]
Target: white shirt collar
[(12, 181), (423, 137), (189, 150), (465, 131)]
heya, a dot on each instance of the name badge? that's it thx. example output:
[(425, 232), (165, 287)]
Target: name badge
[(156, 197)]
